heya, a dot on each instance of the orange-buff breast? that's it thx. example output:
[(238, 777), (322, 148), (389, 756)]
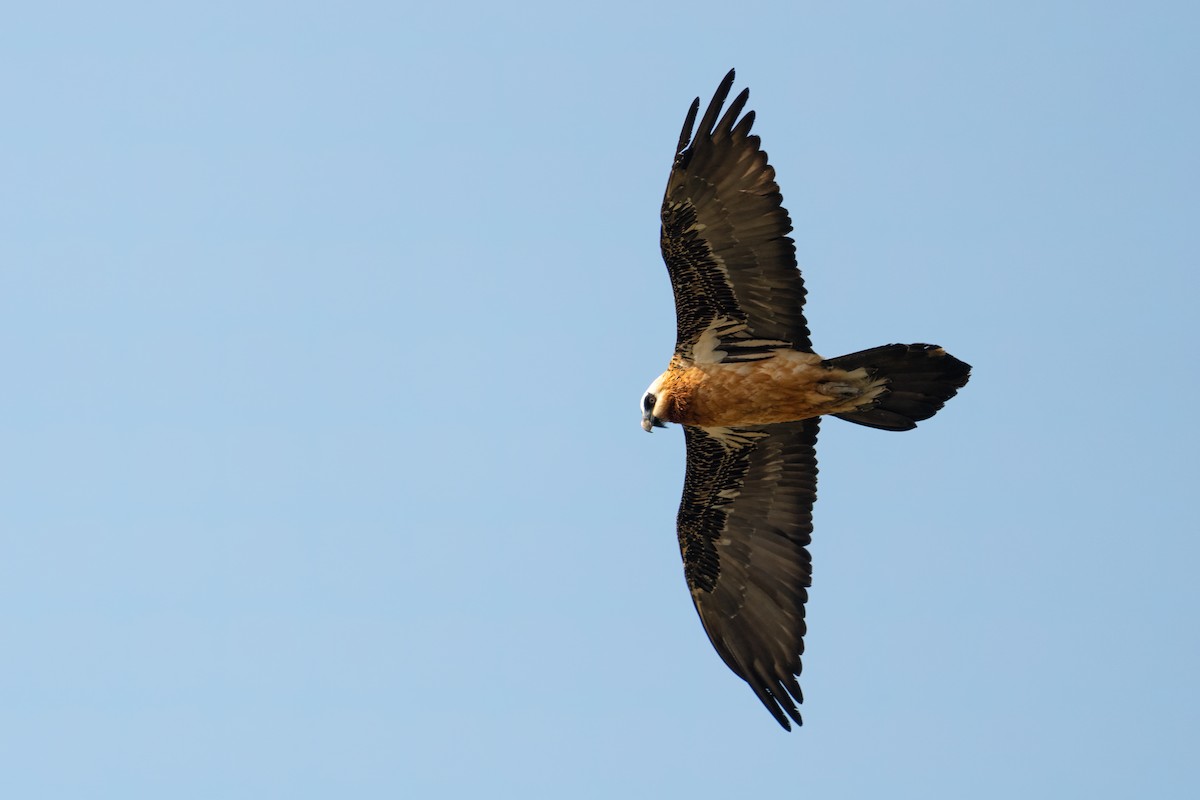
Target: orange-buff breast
[(779, 389)]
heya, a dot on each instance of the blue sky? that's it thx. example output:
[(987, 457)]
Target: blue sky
[(324, 330)]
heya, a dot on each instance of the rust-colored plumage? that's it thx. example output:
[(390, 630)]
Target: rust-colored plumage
[(748, 389), (790, 385)]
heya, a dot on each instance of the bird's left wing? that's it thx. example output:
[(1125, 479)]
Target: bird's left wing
[(724, 233), (744, 525)]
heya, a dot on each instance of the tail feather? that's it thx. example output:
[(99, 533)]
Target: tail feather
[(921, 378)]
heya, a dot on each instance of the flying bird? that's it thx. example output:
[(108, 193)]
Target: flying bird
[(748, 390)]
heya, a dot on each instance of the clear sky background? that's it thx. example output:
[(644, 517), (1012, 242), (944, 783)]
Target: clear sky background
[(323, 329)]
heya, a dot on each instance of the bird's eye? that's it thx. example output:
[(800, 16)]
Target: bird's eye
[(648, 403)]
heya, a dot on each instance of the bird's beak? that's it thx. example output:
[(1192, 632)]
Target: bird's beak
[(650, 422)]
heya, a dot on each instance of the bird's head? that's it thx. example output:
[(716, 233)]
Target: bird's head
[(654, 405)]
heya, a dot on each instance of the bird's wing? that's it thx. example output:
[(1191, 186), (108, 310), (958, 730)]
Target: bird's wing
[(744, 525), (724, 233)]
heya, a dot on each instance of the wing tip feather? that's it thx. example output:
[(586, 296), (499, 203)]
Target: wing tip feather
[(685, 135), (709, 121)]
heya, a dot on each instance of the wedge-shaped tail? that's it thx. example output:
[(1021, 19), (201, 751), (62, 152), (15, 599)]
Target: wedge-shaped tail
[(921, 378)]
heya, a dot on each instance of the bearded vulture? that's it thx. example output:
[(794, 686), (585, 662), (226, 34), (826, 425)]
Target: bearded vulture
[(748, 390)]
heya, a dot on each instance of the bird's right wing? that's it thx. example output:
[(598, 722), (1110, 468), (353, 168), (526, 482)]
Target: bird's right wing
[(744, 525)]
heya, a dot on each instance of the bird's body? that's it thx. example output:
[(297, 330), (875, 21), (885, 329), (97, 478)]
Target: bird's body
[(748, 389), (786, 386)]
